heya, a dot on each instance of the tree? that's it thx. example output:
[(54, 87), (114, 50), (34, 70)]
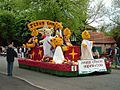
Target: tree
[(116, 34), (72, 13), (96, 11), (7, 20), (114, 16)]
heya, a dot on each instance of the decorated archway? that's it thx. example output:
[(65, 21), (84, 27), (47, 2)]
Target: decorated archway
[(41, 23)]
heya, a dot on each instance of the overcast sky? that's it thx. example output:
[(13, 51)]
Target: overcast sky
[(106, 20)]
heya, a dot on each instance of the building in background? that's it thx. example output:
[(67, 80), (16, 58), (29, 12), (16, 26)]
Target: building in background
[(101, 41)]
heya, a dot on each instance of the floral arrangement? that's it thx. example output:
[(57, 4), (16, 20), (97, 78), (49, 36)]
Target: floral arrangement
[(85, 35), (58, 26)]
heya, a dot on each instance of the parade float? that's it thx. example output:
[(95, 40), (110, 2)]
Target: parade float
[(54, 53)]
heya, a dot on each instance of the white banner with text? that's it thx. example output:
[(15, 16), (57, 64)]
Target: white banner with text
[(89, 66)]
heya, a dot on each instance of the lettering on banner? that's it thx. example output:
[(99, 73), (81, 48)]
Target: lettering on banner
[(88, 66), (92, 63)]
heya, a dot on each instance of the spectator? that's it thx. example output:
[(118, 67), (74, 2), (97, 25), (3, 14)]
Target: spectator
[(116, 55), (11, 53), (24, 50), (20, 52), (109, 52), (96, 54)]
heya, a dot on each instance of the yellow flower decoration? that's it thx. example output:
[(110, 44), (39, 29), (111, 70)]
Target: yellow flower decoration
[(85, 35), (58, 26), (67, 33), (34, 33)]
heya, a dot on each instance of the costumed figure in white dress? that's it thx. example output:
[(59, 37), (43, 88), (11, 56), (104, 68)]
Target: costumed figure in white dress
[(46, 44), (86, 46), (58, 56)]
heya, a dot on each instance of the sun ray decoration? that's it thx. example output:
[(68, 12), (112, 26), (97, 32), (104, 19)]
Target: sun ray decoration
[(40, 52), (73, 54)]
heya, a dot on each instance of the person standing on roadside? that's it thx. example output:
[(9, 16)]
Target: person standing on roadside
[(117, 55), (11, 54)]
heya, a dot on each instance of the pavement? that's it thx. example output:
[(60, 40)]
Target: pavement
[(12, 83), (117, 67), (31, 80), (21, 80)]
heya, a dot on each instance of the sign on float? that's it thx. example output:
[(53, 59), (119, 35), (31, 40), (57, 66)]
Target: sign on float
[(89, 66)]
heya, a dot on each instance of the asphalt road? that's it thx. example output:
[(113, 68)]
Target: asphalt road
[(11, 83), (51, 82)]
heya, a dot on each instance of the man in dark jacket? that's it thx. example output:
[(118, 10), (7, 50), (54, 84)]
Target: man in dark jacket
[(11, 53)]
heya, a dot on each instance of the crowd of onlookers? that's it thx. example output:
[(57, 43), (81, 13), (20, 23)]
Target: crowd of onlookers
[(113, 54), (22, 52)]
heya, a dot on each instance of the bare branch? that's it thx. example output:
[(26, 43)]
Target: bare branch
[(96, 11)]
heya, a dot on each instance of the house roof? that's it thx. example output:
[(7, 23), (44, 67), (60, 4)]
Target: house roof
[(89, 27), (99, 37)]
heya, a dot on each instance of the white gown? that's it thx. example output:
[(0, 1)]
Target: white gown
[(86, 52), (58, 55), (47, 47)]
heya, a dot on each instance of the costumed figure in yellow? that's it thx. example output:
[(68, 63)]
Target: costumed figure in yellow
[(58, 28), (32, 42), (67, 34), (86, 46)]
